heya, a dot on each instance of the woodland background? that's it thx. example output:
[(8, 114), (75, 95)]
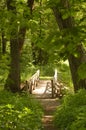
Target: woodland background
[(42, 34)]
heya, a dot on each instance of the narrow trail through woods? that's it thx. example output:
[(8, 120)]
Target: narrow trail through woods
[(49, 104)]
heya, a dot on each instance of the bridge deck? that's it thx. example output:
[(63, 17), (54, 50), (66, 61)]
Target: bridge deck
[(41, 91)]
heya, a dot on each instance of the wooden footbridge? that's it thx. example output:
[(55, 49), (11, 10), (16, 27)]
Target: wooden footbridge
[(46, 92), (53, 87)]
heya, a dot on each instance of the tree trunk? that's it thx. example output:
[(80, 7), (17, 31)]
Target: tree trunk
[(21, 37), (74, 65), (22, 30), (74, 62), (3, 43), (16, 44), (13, 80)]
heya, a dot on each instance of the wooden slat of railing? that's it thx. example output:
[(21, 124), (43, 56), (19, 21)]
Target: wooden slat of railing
[(31, 83), (34, 81), (56, 86), (53, 81)]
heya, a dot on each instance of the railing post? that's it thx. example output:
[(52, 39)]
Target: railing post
[(30, 89), (55, 75), (52, 88), (26, 86)]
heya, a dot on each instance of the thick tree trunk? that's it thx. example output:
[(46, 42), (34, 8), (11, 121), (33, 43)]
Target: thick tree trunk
[(22, 30), (21, 37), (74, 65), (13, 80), (15, 66), (74, 62), (16, 44)]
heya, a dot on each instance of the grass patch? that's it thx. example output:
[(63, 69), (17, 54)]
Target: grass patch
[(45, 78)]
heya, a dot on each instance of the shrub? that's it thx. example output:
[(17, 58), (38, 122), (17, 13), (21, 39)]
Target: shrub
[(47, 70), (71, 115), (19, 112)]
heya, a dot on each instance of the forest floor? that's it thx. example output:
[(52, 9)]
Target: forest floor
[(48, 103)]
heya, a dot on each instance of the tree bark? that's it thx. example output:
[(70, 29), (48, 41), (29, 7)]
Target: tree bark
[(74, 62), (22, 30), (21, 37), (3, 43), (16, 44), (74, 65), (13, 79)]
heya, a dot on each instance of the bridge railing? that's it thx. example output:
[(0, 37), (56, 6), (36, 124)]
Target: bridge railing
[(56, 86), (32, 82)]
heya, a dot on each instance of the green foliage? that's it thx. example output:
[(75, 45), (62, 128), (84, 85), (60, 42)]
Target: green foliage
[(63, 72), (71, 115), (72, 36), (47, 70), (27, 68), (19, 112), (44, 32), (4, 68)]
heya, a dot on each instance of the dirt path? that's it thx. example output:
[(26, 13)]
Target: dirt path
[(49, 104)]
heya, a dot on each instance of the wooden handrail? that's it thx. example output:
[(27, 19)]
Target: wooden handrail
[(32, 82), (56, 86)]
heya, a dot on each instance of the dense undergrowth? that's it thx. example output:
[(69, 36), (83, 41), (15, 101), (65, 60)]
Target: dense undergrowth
[(71, 115), (19, 112)]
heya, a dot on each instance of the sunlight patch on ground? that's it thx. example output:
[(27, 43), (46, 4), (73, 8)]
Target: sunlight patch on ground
[(39, 90)]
